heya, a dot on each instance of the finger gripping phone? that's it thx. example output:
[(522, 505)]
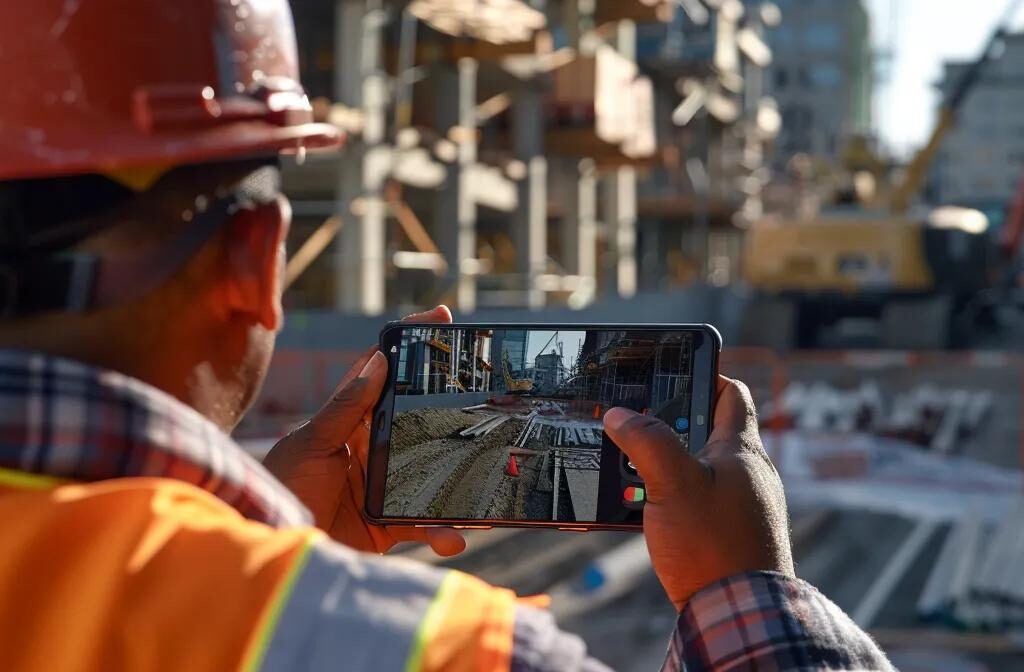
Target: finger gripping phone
[(486, 425)]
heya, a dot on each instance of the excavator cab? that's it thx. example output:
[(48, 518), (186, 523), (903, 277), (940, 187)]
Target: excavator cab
[(913, 277)]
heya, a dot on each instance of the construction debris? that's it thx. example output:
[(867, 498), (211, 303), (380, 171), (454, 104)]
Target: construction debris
[(485, 427), (938, 419)]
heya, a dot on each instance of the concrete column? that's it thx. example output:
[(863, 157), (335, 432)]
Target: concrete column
[(579, 223), (467, 252), (652, 256), (529, 223), (360, 252), (455, 211), (621, 208), (621, 215)]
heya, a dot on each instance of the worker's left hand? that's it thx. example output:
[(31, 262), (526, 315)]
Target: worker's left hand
[(330, 480)]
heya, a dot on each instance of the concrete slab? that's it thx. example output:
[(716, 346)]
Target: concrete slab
[(583, 492)]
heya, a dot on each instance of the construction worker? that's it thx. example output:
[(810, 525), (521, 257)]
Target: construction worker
[(141, 252)]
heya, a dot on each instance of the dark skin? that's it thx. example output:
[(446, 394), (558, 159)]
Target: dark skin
[(313, 460), (707, 517)]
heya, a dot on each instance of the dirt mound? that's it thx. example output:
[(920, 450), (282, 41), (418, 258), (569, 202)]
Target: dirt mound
[(424, 425), (451, 476)]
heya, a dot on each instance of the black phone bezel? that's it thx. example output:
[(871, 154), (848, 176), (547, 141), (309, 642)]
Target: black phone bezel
[(706, 359)]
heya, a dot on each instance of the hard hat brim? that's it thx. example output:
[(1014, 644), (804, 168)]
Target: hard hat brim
[(64, 152)]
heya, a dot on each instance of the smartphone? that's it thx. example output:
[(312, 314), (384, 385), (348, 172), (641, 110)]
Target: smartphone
[(500, 425)]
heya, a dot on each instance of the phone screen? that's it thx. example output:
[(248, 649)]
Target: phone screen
[(505, 424)]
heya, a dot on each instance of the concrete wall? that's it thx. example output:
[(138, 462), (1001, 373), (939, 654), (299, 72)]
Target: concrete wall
[(411, 402)]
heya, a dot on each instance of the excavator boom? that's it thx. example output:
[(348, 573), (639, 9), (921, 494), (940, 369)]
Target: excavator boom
[(917, 170)]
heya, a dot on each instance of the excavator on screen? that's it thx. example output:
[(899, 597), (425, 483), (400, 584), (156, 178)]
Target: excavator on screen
[(922, 278), (514, 385)]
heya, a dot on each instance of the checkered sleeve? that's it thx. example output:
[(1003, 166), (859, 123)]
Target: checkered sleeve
[(767, 621)]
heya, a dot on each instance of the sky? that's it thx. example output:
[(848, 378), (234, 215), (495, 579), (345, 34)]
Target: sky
[(570, 339), (922, 34)]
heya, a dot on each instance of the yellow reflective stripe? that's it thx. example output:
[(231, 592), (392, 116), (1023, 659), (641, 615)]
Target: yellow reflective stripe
[(27, 481), (431, 622), (266, 633)]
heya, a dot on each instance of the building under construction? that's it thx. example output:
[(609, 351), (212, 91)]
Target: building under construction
[(632, 369), (444, 361), (525, 153)]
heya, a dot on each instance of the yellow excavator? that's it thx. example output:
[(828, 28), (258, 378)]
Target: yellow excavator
[(514, 385), (915, 276)]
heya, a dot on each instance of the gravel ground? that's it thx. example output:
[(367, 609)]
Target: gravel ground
[(433, 472)]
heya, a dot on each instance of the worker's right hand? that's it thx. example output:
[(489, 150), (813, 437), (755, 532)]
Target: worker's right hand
[(715, 515), (323, 462)]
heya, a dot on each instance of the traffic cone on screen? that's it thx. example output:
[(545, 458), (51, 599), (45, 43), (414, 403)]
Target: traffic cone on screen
[(512, 469), (597, 411)]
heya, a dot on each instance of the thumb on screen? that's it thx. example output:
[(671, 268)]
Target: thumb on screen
[(660, 458)]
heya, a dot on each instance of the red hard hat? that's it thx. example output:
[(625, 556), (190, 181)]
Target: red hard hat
[(122, 87)]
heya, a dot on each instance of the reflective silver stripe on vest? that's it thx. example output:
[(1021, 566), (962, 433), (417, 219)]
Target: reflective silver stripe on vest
[(349, 611)]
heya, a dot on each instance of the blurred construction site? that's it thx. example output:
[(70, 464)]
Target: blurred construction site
[(720, 161)]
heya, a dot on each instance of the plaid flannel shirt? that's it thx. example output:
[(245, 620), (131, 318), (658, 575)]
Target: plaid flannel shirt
[(766, 621), (68, 420), (65, 419)]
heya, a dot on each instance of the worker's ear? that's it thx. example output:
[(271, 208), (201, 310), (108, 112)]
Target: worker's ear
[(254, 276)]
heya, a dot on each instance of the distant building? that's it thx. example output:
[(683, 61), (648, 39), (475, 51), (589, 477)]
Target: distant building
[(981, 160), (547, 372), (821, 75)]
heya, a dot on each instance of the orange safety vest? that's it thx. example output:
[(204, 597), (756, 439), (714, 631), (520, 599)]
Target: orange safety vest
[(155, 574)]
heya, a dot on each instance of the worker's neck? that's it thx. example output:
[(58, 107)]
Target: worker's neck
[(169, 367)]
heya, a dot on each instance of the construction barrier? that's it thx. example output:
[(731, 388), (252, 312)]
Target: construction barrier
[(967, 404)]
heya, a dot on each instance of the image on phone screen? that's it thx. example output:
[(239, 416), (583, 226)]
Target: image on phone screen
[(506, 424)]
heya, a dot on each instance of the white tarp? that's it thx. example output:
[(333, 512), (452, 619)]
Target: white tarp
[(866, 472)]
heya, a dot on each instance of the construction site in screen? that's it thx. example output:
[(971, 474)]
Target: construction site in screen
[(506, 424)]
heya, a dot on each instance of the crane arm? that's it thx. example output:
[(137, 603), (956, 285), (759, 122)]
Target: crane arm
[(917, 170), (550, 340)]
